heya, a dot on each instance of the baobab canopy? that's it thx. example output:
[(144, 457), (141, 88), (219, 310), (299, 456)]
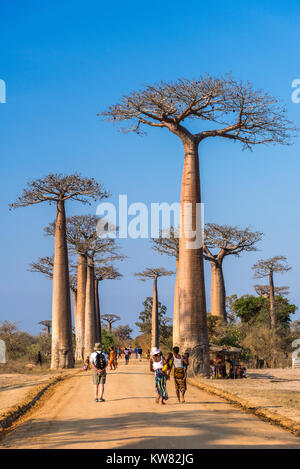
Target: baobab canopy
[(236, 109)]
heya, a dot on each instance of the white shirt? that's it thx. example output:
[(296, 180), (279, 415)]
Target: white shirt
[(157, 365), (178, 362), (93, 357)]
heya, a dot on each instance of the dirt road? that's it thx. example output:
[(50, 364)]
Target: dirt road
[(131, 419)]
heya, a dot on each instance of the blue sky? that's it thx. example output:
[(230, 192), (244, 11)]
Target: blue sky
[(65, 61)]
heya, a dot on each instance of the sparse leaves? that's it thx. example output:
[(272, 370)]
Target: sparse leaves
[(235, 109), (153, 273), (58, 187), (263, 268)]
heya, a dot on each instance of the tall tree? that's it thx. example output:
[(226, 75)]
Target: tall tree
[(221, 241), (57, 189), (267, 268), (83, 239), (235, 112), (168, 243), (45, 266), (104, 272), (154, 274), (110, 319)]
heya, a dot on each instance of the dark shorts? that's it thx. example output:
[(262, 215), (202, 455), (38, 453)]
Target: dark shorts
[(99, 379)]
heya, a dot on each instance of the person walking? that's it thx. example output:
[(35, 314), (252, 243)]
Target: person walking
[(156, 366), (136, 351), (111, 360), (98, 361), (179, 374), (39, 359), (127, 355), (140, 352)]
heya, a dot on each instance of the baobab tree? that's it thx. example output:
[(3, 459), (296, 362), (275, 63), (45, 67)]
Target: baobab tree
[(168, 243), (264, 290), (221, 241), (267, 268), (110, 319), (57, 189), (83, 240), (44, 265), (105, 272), (48, 324), (235, 112), (154, 274)]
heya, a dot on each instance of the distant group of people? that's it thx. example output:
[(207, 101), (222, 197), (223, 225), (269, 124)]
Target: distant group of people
[(162, 366), (221, 368)]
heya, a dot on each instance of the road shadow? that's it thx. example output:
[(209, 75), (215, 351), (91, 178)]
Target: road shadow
[(135, 430)]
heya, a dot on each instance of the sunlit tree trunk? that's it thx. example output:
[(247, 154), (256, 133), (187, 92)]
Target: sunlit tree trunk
[(218, 294), (155, 331), (192, 303), (74, 301), (80, 310), (272, 302), (90, 315), (97, 310), (62, 351), (176, 332)]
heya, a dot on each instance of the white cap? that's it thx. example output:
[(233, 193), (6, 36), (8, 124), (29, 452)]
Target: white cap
[(155, 351)]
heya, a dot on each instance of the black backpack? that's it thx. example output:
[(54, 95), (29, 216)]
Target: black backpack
[(100, 362)]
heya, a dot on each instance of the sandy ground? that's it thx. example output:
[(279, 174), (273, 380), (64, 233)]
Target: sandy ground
[(130, 418), (14, 387), (275, 389)]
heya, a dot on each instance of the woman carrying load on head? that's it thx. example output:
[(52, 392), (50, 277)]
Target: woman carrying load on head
[(156, 366)]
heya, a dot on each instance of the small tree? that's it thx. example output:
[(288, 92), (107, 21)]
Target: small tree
[(110, 319), (48, 324), (221, 241), (144, 322), (267, 268), (123, 334), (264, 290), (57, 189), (154, 274)]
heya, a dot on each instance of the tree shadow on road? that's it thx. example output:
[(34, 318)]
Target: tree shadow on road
[(221, 428)]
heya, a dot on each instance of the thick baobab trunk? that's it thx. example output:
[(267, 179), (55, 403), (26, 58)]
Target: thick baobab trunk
[(80, 309), (155, 331), (108, 326), (272, 302), (90, 315), (62, 350), (176, 333), (218, 294), (192, 302), (97, 311)]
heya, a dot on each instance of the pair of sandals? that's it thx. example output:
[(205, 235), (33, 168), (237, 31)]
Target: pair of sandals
[(99, 400)]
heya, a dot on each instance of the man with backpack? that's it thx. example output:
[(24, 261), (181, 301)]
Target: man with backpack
[(98, 361)]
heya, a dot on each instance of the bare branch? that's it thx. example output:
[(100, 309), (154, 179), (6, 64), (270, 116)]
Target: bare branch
[(235, 109), (58, 187)]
